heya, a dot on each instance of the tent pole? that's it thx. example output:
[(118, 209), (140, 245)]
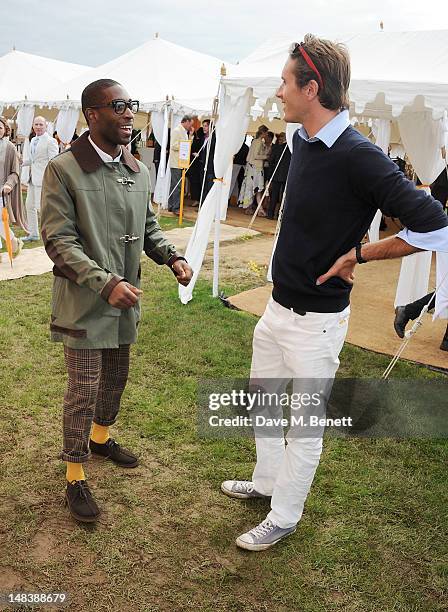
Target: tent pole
[(215, 292)]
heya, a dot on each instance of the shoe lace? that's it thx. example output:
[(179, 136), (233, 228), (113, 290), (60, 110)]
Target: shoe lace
[(244, 486), (262, 529), (113, 445), (82, 489)]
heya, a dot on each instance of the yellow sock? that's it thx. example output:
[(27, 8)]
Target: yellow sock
[(100, 434), (75, 471)]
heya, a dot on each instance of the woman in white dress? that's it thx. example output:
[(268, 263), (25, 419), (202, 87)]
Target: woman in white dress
[(253, 182)]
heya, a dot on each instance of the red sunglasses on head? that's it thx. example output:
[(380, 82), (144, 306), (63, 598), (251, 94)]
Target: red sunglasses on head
[(309, 61)]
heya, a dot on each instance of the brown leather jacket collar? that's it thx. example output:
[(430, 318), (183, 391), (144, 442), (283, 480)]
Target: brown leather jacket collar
[(89, 160)]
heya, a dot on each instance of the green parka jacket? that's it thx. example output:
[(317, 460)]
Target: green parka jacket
[(96, 220)]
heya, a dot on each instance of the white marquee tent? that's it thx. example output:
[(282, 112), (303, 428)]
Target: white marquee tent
[(154, 71), (401, 76), (24, 76), (169, 80)]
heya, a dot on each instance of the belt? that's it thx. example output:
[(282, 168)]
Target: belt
[(302, 313)]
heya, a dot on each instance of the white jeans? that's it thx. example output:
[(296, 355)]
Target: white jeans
[(32, 206), (290, 346)]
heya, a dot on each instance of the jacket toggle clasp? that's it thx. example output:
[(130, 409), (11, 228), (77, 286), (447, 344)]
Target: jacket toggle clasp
[(129, 238), (124, 180)]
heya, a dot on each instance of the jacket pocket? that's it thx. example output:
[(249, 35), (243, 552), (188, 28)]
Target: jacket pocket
[(77, 305)]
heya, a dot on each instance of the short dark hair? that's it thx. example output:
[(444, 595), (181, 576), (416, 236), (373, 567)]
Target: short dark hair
[(271, 134), (93, 93), (186, 118), (332, 60), (206, 121)]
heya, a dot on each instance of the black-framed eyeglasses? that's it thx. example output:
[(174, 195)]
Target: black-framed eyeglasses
[(120, 106)]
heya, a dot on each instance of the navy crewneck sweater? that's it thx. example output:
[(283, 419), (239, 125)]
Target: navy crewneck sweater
[(332, 197)]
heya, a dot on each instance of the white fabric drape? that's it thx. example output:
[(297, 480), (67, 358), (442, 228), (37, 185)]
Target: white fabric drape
[(381, 131), (160, 125), (163, 182), (441, 306), (25, 171), (230, 133), (159, 122), (25, 118), (413, 282), (66, 123), (421, 137), (50, 128)]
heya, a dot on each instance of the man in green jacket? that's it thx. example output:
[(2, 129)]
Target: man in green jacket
[(96, 220)]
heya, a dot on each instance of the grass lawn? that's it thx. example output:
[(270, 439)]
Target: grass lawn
[(372, 538)]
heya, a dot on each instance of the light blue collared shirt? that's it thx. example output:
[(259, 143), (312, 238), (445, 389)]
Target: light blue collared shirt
[(436, 240), (331, 130)]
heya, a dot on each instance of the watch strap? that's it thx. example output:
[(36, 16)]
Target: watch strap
[(359, 257)]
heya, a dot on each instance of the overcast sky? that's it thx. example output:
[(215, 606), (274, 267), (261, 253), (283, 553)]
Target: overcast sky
[(97, 31)]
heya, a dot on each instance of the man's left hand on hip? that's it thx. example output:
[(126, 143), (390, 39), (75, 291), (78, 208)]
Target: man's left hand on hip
[(343, 267)]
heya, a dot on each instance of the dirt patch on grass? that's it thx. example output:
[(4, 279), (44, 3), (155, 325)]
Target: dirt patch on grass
[(241, 262), (10, 578), (43, 546)]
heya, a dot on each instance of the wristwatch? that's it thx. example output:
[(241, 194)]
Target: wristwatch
[(359, 257)]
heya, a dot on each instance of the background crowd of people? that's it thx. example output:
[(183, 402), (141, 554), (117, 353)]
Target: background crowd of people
[(261, 161), (267, 157)]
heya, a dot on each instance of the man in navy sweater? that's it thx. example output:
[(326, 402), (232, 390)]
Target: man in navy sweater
[(337, 180)]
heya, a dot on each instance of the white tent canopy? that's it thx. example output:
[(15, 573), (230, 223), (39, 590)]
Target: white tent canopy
[(403, 74), (392, 72), (24, 76), (153, 71)]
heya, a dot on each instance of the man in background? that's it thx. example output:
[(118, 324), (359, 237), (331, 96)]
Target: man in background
[(42, 148), (184, 131)]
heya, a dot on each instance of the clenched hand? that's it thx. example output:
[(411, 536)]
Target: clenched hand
[(124, 296), (182, 271)]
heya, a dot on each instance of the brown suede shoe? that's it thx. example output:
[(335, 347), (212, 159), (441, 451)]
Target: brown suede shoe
[(80, 502), (115, 453)]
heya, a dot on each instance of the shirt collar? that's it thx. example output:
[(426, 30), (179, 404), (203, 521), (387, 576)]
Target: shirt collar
[(331, 130), (107, 159), (88, 159)]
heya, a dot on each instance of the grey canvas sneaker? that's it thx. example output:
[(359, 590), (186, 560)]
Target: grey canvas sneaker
[(263, 536), (241, 489)]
